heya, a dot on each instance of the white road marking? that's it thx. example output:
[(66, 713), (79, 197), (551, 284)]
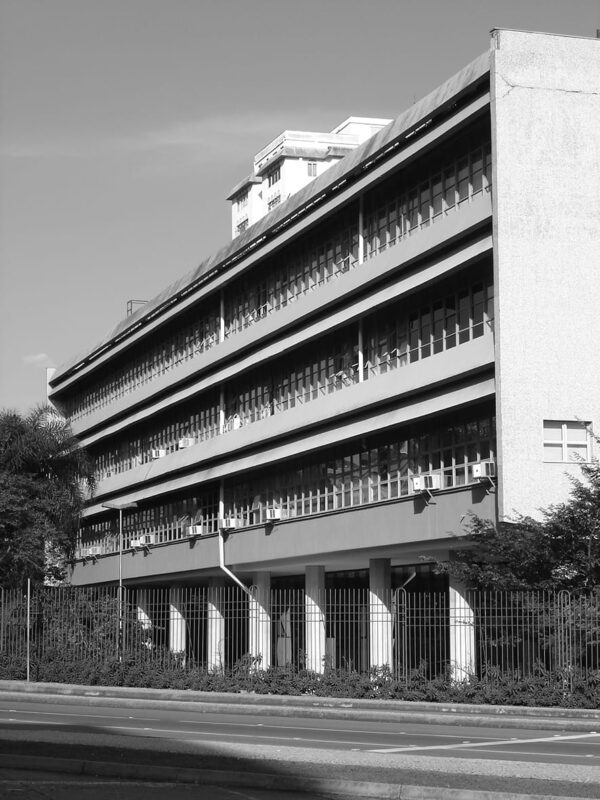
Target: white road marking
[(276, 727), (553, 738), (83, 716)]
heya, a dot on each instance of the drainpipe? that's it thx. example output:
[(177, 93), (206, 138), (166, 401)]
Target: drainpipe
[(226, 570)]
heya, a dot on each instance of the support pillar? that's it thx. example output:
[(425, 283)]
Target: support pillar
[(361, 238), (462, 633), (144, 617), (314, 611), (222, 317), (215, 626), (259, 620), (380, 614), (177, 624), (361, 356)]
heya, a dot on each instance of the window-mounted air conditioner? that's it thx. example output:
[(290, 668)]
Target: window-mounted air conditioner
[(143, 541), (425, 483), (484, 469), (158, 452), (195, 530), (273, 514), (187, 441), (228, 524)]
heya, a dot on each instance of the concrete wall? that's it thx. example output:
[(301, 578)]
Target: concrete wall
[(546, 195), (401, 530)]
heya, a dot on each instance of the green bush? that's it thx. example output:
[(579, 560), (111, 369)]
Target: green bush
[(544, 688)]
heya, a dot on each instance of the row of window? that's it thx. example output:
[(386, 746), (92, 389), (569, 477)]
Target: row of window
[(394, 215), (393, 339), (379, 470), (305, 265)]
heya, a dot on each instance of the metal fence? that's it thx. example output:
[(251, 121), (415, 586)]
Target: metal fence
[(411, 634)]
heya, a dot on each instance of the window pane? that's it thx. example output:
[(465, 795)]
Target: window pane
[(576, 432), (552, 431), (576, 452), (552, 452)]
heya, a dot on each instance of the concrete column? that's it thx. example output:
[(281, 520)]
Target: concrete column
[(177, 625), (361, 223), (314, 610), (259, 619), (462, 633), (221, 410), (361, 357), (143, 609), (380, 613), (215, 626), (222, 317)]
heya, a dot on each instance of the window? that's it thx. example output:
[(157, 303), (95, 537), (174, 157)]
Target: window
[(241, 226), (274, 202), (273, 176), (567, 441), (242, 201), (312, 169)]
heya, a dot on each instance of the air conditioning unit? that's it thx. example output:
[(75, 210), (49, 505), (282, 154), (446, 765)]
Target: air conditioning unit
[(187, 441), (228, 524), (273, 514), (195, 530), (158, 453), (143, 541), (425, 483), (484, 469)]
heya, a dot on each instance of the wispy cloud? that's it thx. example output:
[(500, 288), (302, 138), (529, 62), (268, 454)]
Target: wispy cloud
[(38, 360), (201, 140)]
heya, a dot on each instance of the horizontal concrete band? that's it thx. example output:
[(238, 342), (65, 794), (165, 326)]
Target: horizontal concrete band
[(525, 717), (255, 780)]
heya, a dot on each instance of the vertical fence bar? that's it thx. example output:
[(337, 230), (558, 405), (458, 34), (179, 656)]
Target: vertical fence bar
[(28, 656)]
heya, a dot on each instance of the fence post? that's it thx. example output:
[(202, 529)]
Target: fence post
[(28, 627)]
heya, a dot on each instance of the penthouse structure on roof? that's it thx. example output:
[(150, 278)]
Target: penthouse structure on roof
[(408, 338)]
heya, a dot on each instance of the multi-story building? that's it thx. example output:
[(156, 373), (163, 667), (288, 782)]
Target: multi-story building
[(409, 338), (289, 162)]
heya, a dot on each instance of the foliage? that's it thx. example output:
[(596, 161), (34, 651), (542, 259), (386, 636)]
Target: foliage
[(554, 688), (43, 476), (560, 551)]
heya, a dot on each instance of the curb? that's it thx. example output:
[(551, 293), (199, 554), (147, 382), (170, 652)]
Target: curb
[(325, 786), (527, 717)]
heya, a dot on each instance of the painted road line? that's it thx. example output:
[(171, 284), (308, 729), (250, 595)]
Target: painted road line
[(547, 739), (361, 731), (83, 716)]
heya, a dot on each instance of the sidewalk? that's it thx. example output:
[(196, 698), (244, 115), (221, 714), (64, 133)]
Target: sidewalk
[(310, 706)]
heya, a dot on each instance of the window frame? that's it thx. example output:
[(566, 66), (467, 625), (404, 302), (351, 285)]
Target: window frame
[(565, 443)]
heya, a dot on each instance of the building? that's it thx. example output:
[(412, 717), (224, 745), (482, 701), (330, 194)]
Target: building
[(410, 337), (291, 161)]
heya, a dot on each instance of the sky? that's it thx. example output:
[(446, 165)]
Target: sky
[(125, 123)]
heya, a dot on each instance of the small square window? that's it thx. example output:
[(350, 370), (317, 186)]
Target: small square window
[(567, 441)]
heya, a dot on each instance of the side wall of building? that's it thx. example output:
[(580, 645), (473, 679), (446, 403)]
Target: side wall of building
[(546, 195)]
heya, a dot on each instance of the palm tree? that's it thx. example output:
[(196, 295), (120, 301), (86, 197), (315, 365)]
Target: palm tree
[(44, 479)]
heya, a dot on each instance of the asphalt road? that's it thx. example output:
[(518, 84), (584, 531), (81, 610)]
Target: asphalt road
[(446, 741), (248, 750)]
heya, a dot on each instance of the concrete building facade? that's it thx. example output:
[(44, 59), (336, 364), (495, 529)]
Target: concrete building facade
[(408, 339)]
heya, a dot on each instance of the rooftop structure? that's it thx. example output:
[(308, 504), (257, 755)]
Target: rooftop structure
[(291, 161)]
